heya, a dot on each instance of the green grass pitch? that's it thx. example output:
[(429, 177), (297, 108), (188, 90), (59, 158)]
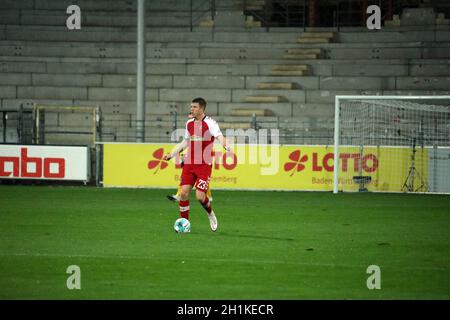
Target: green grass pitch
[(270, 245)]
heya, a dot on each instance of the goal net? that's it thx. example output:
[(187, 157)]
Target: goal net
[(392, 144)]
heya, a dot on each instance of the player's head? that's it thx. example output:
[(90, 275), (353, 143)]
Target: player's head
[(198, 106), (200, 101)]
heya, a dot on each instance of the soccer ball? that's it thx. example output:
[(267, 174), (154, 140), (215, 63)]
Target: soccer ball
[(182, 225)]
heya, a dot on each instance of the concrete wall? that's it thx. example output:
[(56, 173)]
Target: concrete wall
[(42, 62)]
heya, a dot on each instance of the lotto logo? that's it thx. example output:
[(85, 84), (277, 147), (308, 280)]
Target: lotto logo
[(348, 162), (32, 167)]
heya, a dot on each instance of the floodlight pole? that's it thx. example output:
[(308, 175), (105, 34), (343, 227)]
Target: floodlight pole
[(140, 83), (336, 146)]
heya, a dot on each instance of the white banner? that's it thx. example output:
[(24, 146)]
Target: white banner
[(44, 162), (439, 169)]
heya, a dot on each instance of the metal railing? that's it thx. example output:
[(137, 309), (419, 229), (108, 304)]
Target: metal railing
[(281, 13), (19, 126), (160, 128), (199, 10)]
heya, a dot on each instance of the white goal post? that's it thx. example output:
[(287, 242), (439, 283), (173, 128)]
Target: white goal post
[(392, 144)]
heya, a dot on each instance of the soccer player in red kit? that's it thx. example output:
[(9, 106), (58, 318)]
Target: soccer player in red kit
[(199, 137)]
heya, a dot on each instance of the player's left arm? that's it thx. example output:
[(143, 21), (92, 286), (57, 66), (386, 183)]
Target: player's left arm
[(217, 133), (224, 142)]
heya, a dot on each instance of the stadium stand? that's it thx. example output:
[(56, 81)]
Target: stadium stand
[(252, 76)]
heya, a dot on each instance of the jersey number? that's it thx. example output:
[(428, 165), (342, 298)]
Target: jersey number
[(202, 184)]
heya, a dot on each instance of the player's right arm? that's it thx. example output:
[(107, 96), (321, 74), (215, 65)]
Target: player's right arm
[(179, 148)]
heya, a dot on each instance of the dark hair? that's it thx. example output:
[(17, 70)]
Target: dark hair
[(201, 102)]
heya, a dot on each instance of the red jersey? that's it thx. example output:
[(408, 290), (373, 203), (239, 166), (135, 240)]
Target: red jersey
[(201, 135)]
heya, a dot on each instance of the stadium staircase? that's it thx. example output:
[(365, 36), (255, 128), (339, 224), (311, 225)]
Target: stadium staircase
[(284, 78)]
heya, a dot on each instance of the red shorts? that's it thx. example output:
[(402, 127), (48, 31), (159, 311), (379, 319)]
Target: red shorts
[(196, 174)]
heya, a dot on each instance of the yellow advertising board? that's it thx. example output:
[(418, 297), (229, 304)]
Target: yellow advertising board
[(264, 167)]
